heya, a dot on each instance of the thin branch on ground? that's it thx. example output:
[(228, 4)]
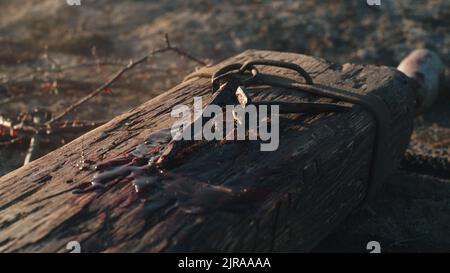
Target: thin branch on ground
[(181, 52), (25, 127), (116, 76), (97, 91)]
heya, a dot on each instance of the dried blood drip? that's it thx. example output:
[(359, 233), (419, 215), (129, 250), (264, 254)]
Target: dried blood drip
[(190, 194)]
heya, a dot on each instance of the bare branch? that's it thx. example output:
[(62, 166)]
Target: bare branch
[(23, 127), (96, 91), (114, 78), (181, 52)]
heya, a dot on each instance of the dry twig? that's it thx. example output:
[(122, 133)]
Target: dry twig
[(55, 125), (116, 76)]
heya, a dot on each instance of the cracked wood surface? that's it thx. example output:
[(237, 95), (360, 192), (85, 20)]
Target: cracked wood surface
[(299, 193)]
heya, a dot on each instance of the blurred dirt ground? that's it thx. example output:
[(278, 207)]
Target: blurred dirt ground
[(51, 54)]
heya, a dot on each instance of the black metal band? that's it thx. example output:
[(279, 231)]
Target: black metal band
[(382, 161)]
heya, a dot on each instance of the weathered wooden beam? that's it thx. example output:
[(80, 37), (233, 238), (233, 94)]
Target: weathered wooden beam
[(285, 200)]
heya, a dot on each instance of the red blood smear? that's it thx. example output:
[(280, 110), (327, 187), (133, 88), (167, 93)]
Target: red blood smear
[(112, 163)]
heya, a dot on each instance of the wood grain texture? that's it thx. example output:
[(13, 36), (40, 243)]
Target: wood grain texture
[(297, 194)]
